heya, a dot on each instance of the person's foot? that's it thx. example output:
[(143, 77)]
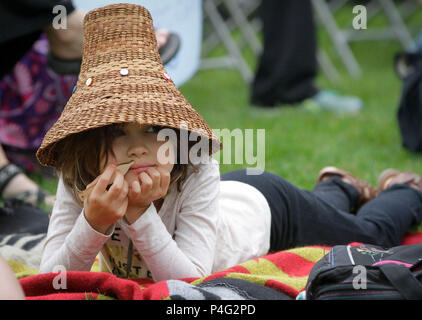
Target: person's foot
[(366, 191), (162, 36), (331, 101), (168, 44), (389, 177), (20, 186)]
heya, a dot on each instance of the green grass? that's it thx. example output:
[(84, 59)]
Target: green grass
[(299, 142)]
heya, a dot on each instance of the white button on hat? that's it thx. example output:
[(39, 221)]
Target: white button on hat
[(88, 81), (124, 72)]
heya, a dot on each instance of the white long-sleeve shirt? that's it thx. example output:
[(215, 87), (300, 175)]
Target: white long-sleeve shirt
[(209, 226)]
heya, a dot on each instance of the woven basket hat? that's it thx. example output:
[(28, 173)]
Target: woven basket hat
[(122, 79)]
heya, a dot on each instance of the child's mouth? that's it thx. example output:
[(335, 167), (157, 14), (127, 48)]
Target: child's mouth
[(141, 167), (139, 170), (125, 167)]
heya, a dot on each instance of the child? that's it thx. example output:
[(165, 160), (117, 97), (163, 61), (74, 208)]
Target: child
[(172, 219)]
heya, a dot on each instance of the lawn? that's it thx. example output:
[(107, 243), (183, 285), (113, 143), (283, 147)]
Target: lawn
[(299, 142)]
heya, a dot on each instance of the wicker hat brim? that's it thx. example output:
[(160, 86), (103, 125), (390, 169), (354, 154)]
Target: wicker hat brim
[(123, 110)]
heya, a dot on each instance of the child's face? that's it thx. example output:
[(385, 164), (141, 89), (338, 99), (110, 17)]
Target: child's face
[(137, 143)]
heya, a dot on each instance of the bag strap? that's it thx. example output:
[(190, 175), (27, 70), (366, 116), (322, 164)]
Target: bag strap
[(403, 280)]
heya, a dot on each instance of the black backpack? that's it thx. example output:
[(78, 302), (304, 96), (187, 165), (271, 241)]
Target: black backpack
[(367, 272), (409, 67)]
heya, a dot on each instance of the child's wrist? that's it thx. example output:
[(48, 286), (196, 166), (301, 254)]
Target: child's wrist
[(133, 213), (101, 228)]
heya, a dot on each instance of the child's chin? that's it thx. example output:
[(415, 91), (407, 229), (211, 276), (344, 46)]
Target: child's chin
[(130, 177)]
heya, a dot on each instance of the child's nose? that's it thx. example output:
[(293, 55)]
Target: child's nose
[(137, 149)]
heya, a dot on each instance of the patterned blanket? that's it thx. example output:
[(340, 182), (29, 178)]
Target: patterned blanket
[(280, 275)]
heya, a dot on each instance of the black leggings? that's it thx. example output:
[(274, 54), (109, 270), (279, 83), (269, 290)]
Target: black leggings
[(322, 216), (287, 67)]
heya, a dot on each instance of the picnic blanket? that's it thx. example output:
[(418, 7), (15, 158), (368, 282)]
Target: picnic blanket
[(279, 275)]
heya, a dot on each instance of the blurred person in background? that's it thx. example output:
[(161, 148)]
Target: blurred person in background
[(32, 94), (287, 67), (38, 73)]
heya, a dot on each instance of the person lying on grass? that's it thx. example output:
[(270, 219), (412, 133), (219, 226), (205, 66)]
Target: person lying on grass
[(149, 213)]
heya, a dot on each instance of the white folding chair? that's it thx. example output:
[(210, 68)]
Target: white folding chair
[(341, 38), (222, 33), (240, 17)]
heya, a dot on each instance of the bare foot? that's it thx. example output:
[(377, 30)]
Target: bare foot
[(21, 183), (162, 36)]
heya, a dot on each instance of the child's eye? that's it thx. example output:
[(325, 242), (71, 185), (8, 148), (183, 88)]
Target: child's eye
[(117, 133), (152, 129)]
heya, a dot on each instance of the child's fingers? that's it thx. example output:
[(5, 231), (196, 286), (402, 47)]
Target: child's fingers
[(125, 189), (165, 179), (83, 195), (155, 176), (105, 179), (135, 189), (123, 206), (93, 182), (117, 188), (122, 196), (146, 181)]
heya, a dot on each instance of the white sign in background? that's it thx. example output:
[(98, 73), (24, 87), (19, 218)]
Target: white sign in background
[(183, 17)]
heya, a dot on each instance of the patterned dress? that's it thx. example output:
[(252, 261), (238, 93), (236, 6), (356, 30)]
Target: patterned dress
[(32, 97)]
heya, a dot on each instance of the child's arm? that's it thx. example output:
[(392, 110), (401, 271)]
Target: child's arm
[(75, 238), (71, 241), (191, 252)]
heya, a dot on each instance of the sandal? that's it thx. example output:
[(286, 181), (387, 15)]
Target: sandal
[(73, 66), (170, 48), (367, 191), (8, 172), (390, 177)]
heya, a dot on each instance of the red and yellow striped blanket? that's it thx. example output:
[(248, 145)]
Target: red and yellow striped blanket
[(285, 271)]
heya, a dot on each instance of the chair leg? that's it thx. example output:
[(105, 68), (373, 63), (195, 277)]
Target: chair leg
[(224, 34), (399, 26), (337, 36)]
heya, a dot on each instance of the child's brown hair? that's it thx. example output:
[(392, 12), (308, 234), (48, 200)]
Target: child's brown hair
[(84, 154)]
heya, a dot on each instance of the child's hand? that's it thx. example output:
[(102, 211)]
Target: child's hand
[(104, 206), (150, 186)]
